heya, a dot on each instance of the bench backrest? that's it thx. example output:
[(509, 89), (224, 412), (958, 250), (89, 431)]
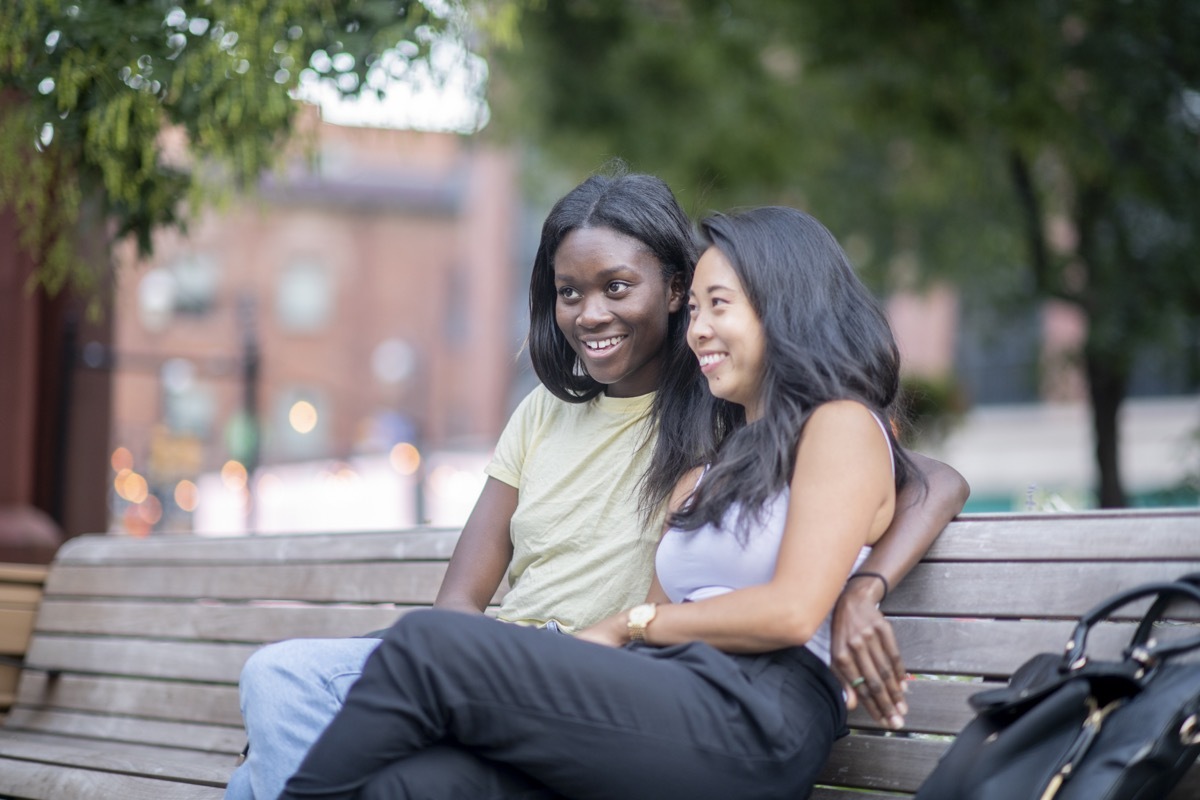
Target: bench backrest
[(142, 641)]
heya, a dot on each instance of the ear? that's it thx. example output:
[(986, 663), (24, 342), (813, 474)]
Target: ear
[(678, 294)]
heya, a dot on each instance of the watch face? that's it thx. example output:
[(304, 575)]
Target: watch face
[(640, 615)]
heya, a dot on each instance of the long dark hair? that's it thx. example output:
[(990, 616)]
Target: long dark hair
[(826, 339), (644, 208)]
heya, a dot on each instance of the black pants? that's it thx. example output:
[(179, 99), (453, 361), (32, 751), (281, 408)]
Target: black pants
[(454, 705)]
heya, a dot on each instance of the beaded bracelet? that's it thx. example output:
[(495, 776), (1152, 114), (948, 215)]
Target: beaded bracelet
[(886, 588)]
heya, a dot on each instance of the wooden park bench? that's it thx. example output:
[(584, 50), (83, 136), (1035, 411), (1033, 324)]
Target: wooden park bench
[(130, 690)]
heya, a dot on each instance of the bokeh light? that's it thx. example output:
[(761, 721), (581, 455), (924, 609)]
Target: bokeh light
[(122, 459), (131, 486), (405, 458), (187, 495), (233, 475), (303, 416), (151, 510)]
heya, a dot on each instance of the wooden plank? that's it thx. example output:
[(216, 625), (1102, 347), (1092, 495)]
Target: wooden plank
[(213, 621), (23, 573), (1161, 534), (189, 661), (993, 647), (133, 759), (1027, 590), (888, 763), (934, 706), (415, 544), (20, 595), (406, 582), (152, 699), (205, 738), (15, 627), (33, 781)]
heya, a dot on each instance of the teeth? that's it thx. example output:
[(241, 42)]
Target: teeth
[(711, 358), (603, 343)]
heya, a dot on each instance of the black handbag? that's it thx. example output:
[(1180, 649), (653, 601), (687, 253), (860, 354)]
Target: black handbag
[(1067, 727)]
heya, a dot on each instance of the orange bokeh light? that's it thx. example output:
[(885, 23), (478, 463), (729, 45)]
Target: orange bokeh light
[(405, 458), (121, 459), (187, 496), (234, 476)]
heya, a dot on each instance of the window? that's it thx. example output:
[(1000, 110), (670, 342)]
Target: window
[(304, 300)]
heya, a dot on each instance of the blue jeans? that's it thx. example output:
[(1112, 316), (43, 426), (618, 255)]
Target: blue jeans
[(290, 691)]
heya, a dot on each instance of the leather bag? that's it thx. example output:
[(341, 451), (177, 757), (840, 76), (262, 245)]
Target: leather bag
[(1067, 727)]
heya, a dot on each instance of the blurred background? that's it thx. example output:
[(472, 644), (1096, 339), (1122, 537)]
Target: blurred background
[(263, 264)]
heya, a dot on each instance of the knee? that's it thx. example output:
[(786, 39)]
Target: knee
[(266, 666), (433, 628)]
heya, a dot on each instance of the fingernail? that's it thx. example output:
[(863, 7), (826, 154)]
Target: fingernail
[(902, 707), (897, 722), (904, 685)]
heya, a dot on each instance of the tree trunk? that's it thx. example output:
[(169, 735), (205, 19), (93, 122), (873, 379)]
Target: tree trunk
[(1107, 386)]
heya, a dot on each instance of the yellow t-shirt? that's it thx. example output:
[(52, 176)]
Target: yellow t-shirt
[(580, 550)]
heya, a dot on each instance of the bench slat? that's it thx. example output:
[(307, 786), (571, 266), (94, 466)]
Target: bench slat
[(205, 738), (1026, 590), (1161, 534), (934, 706), (150, 699), (188, 765), (34, 781), (413, 582), (420, 544), (189, 661), (882, 762), (213, 622)]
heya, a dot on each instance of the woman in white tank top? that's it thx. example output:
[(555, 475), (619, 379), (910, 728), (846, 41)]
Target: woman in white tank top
[(712, 688)]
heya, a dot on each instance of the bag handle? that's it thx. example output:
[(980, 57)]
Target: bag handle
[(1146, 625), (1074, 654)]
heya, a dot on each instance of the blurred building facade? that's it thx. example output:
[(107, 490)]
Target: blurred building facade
[(358, 306)]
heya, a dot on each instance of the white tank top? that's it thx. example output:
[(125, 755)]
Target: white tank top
[(710, 561)]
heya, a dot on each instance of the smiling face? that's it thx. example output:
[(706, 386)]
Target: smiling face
[(613, 306), (726, 334)]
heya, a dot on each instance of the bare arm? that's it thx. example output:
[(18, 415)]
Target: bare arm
[(841, 499), (863, 642), (483, 552)]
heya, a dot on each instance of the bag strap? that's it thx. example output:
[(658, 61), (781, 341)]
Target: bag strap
[(1146, 626), (1164, 591)]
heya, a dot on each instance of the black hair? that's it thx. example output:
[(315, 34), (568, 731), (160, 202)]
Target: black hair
[(826, 339), (644, 208)]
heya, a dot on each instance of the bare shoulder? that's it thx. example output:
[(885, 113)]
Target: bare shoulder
[(846, 417)]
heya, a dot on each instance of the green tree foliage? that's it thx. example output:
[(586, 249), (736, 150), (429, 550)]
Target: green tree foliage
[(946, 137), (88, 87)]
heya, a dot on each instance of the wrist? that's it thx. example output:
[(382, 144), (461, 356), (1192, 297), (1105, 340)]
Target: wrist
[(637, 619), (868, 586)]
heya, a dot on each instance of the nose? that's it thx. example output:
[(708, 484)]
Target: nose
[(698, 328), (594, 311)]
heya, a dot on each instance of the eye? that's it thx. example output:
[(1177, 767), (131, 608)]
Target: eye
[(691, 308), (567, 293), (616, 287)]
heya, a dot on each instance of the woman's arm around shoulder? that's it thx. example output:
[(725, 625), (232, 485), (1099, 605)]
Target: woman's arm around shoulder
[(483, 551), (863, 643)]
